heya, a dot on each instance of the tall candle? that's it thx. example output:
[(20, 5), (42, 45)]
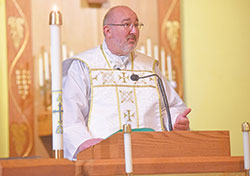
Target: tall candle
[(156, 50), (64, 52), (71, 53), (128, 148), (142, 49), (40, 62), (170, 77), (56, 84), (149, 49), (245, 131), (46, 65), (163, 62)]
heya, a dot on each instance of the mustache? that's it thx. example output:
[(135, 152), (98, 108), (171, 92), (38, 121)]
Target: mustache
[(131, 36)]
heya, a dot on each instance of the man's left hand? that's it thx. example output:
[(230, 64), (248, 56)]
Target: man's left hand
[(182, 122)]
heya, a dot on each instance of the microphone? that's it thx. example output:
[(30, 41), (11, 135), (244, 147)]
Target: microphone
[(135, 77)]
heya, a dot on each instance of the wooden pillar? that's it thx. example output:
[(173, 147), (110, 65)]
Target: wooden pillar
[(20, 77), (170, 40)]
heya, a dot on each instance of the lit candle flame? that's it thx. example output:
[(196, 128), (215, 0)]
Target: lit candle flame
[(55, 8)]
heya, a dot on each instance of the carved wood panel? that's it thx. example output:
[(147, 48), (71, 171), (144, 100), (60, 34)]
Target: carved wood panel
[(20, 78), (170, 41)]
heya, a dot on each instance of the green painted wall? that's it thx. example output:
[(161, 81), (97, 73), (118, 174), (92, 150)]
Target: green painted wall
[(4, 134), (216, 60)]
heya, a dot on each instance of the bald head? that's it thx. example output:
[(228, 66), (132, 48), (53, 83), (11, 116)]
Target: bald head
[(108, 18)]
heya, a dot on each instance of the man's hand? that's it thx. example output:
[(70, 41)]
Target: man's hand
[(182, 122), (89, 143)]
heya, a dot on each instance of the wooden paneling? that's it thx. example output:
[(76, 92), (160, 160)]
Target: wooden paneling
[(20, 77), (37, 167), (172, 165), (170, 39)]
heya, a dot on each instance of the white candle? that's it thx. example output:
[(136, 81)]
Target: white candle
[(64, 52), (46, 65), (56, 78), (163, 62), (71, 53), (128, 148), (149, 49), (142, 49), (156, 50), (246, 150), (170, 77), (41, 81), (245, 131)]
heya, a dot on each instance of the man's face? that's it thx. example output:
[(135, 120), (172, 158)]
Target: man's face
[(123, 39)]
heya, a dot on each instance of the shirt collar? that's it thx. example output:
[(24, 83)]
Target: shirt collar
[(117, 62)]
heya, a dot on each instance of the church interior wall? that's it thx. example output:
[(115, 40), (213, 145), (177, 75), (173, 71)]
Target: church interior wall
[(215, 46)]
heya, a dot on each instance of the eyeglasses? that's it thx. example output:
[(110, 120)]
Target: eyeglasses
[(128, 25)]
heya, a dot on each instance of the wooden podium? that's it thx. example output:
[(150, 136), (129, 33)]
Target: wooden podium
[(200, 152)]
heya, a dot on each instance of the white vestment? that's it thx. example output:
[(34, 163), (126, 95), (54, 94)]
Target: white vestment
[(99, 96)]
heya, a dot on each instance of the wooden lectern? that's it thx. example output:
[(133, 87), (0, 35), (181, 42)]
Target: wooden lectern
[(200, 152)]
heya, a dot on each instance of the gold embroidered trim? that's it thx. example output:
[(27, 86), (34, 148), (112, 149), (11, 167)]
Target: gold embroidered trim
[(123, 70), (117, 86), (154, 64), (132, 61), (150, 86), (137, 112), (105, 57)]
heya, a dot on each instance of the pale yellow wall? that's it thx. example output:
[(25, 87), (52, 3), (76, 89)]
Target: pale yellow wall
[(4, 141), (216, 60)]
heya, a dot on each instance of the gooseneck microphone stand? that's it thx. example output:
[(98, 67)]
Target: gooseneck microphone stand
[(135, 77)]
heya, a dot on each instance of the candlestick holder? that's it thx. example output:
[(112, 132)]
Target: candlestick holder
[(55, 18), (245, 127)]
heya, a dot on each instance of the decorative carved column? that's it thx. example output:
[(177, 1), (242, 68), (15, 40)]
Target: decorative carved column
[(20, 77), (170, 40)]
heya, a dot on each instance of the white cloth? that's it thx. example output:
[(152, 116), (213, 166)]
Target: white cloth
[(77, 99)]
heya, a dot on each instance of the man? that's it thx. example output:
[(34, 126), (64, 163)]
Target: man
[(99, 96)]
